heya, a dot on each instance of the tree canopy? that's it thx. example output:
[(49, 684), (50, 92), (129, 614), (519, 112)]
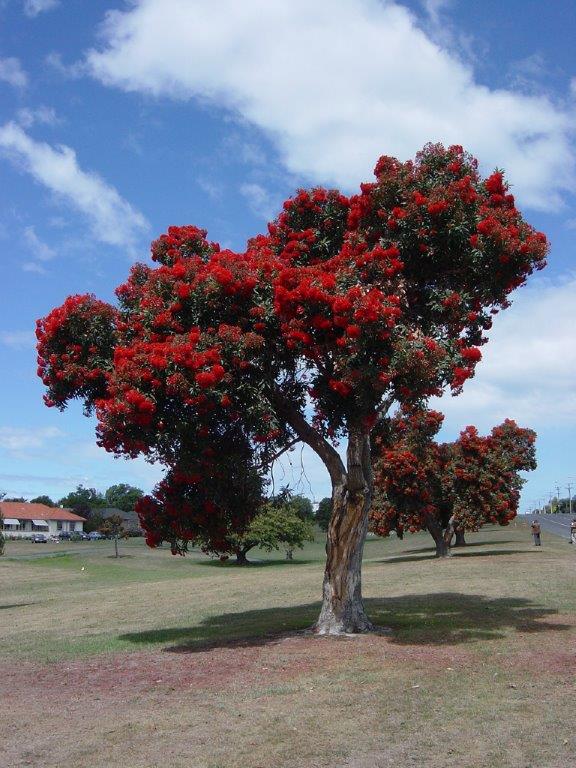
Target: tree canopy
[(123, 496), (43, 500), (270, 529), (83, 500), (443, 487), (324, 513), (344, 307)]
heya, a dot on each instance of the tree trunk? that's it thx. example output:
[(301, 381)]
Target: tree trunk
[(241, 558), (460, 537), (289, 554), (115, 546), (342, 607), (435, 530)]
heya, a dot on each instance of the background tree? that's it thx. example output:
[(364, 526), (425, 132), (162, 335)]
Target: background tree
[(354, 303), (83, 500), (43, 500), (272, 528), (408, 475), (295, 502), (123, 496), (324, 513), (19, 499), (113, 527), (447, 488)]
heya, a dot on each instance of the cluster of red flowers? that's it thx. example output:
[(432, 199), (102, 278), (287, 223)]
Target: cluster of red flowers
[(350, 301), (75, 343), (203, 507), (475, 479)]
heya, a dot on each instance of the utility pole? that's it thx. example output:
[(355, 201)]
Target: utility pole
[(557, 498), (569, 486)]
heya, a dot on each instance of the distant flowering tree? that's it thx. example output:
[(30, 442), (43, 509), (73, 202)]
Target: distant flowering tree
[(346, 306), (446, 488)]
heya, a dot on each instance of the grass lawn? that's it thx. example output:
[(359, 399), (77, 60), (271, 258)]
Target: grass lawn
[(152, 660)]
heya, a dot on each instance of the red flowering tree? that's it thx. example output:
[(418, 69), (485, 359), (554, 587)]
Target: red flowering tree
[(345, 306), (409, 477), (450, 487)]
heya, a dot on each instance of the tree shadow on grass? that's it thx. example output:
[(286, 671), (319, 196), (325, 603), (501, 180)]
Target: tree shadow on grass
[(252, 564), (428, 619), (466, 546), (459, 552), (15, 605)]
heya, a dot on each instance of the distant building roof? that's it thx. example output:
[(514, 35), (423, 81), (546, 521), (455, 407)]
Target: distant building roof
[(24, 511)]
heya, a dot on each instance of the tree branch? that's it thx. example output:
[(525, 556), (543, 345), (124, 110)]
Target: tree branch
[(279, 453), (310, 436)]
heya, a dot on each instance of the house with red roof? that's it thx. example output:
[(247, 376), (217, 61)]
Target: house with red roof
[(21, 520)]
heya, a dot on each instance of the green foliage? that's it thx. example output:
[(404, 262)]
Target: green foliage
[(297, 503), (83, 500), (324, 513), (94, 521), (113, 527), (123, 496), (272, 528), (46, 500)]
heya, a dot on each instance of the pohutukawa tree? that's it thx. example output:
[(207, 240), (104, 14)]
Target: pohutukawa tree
[(446, 488), (346, 306)]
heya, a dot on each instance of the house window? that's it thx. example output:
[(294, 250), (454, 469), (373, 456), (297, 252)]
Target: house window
[(59, 525), (72, 526)]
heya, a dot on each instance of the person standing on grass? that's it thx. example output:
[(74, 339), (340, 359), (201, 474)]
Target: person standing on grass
[(536, 533), (573, 531)]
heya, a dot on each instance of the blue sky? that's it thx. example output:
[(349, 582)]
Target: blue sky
[(119, 119)]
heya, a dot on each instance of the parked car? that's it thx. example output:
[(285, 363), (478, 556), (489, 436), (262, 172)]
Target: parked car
[(96, 535), (39, 538), (64, 535)]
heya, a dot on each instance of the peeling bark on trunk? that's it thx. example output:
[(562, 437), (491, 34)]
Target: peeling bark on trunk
[(342, 608), (460, 538)]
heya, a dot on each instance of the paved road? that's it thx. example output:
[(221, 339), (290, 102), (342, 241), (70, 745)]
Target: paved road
[(558, 524)]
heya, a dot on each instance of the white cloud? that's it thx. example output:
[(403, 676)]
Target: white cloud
[(41, 115), (32, 266), (112, 219), (18, 339), (528, 371), (212, 188), (261, 202), (335, 85), (39, 249), (11, 72), (16, 439), (69, 71), (34, 7)]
